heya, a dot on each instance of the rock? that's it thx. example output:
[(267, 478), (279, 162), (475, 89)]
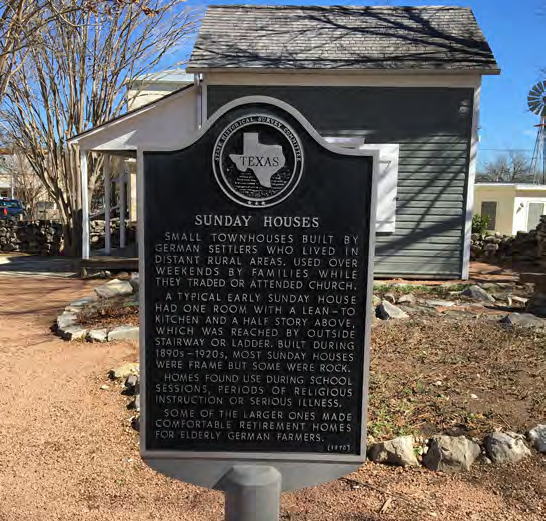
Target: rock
[(135, 423), (132, 385), (72, 309), (74, 332), (506, 447), (450, 453), (66, 319), (135, 280), (523, 320), (537, 437), (386, 311), (97, 335), (131, 380), (477, 293), (375, 301), (398, 451), (83, 301), (134, 404), (114, 288), (390, 297), (519, 300), (123, 371), (123, 333), (104, 387), (409, 298), (439, 303)]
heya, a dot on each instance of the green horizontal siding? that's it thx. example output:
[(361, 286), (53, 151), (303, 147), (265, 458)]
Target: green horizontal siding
[(432, 126)]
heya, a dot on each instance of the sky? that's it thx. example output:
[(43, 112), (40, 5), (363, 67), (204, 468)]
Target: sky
[(516, 32)]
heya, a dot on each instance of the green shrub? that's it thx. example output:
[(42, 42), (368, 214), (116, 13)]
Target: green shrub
[(480, 223)]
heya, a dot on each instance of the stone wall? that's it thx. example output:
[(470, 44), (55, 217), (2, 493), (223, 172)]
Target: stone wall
[(525, 246), (96, 233), (40, 237)]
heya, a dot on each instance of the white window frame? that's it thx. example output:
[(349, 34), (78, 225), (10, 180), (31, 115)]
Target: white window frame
[(387, 184)]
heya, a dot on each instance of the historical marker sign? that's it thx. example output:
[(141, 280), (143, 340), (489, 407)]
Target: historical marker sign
[(256, 272)]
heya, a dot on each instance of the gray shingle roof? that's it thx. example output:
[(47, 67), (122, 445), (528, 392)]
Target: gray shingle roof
[(341, 37)]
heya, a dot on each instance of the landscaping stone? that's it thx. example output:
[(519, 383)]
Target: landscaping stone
[(386, 311), (519, 300), (114, 288), (97, 335), (506, 447), (135, 280), (523, 320), (390, 297), (123, 333), (398, 451), (450, 453), (66, 320), (537, 438), (72, 309), (74, 332), (135, 423), (123, 371), (477, 293), (375, 301), (409, 298), (83, 301), (439, 303), (132, 385), (134, 404)]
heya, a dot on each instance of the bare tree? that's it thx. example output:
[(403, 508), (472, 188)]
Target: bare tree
[(20, 19), (513, 167), (73, 79)]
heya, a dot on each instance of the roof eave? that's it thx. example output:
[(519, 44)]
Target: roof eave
[(417, 72)]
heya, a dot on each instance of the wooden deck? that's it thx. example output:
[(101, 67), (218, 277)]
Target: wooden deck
[(108, 263)]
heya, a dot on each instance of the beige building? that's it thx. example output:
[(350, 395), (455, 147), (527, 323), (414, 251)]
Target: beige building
[(511, 207)]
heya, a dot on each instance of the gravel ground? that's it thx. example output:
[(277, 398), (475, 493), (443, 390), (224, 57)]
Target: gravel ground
[(67, 451)]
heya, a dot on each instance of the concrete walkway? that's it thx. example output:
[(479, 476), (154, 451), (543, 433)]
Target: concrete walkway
[(21, 265)]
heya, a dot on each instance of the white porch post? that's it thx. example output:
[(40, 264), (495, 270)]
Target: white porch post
[(85, 204), (107, 195), (122, 206)]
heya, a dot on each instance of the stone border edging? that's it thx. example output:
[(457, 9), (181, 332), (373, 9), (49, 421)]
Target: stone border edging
[(68, 327)]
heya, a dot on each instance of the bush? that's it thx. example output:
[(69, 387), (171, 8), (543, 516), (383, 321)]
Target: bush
[(480, 224)]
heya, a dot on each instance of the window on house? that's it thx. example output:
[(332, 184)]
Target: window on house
[(489, 209), (533, 215), (387, 184)]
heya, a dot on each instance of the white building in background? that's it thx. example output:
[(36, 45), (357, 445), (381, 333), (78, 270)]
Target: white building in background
[(150, 87), (511, 207), (6, 180)]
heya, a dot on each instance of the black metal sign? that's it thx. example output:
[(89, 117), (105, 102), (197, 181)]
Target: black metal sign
[(256, 243)]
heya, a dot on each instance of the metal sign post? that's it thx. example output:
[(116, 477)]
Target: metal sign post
[(256, 251), (252, 493)]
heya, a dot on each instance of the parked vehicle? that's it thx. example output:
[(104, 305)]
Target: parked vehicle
[(11, 209)]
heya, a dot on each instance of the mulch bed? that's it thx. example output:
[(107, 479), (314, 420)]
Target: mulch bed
[(433, 373), (110, 313), (464, 376)]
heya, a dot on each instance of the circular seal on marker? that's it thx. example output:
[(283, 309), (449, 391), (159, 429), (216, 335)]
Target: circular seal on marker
[(257, 160)]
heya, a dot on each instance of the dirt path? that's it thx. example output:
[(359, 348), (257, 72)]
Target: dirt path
[(67, 451)]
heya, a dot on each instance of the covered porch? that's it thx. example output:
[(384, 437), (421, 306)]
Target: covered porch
[(162, 124)]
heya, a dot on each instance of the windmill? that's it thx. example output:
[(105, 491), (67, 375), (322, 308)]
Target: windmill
[(536, 100)]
